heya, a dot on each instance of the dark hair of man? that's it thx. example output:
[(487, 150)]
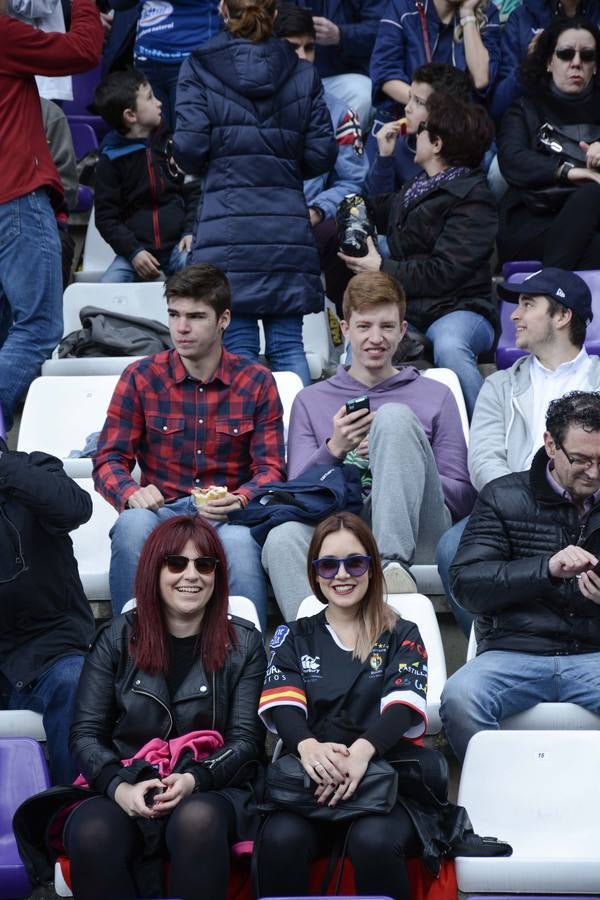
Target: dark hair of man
[(116, 93), (293, 20), (444, 78), (148, 643), (466, 129), (577, 327), (534, 67), (200, 282), (580, 408), (369, 289)]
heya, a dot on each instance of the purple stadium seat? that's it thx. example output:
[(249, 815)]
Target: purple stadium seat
[(509, 268), (507, 352), (23, 772), (77, 109), (84, 138)]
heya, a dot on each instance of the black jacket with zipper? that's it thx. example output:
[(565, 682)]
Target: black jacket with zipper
[(441, 247), (44, 613), (139, 204), (119, 708), (500, 571)]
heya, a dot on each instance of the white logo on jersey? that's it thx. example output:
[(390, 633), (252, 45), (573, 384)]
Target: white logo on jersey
[(155, 12), (310, 664)]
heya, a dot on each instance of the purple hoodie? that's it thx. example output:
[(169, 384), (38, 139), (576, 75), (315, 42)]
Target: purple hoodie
[(433, 403)]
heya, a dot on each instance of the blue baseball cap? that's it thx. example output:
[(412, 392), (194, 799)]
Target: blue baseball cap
[(563, 286)]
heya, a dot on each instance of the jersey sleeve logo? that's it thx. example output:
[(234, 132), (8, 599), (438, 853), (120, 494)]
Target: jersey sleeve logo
[(349, 133), (281, 632)]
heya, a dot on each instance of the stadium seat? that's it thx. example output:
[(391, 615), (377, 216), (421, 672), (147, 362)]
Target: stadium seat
[(527, 265), (315, 337), (60, 412), (97, 254), (78, 109), (23, 772), (21, 723), (145, 299), (507, 352), (450, 379), (538, 790), (418, 609), (91, 545), (544, 716), (288, 385), (84, 141), (238, 606)]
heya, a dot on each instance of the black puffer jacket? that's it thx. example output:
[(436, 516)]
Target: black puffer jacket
[(500, 571), (44, 613), (441, 248), (119, 708)]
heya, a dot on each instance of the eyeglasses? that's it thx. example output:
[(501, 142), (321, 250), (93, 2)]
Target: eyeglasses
[(579, 462), (204, 565), (566, 54), (328, 566)]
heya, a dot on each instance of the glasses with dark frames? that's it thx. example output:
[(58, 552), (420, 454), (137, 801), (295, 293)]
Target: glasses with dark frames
[(177, 564), (579, 462), (566, 54), (327, 567)]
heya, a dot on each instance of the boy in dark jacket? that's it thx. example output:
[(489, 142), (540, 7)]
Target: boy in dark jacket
[(143, 208)]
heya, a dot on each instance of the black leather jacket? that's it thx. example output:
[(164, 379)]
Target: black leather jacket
[(119, 708), (500, 571)]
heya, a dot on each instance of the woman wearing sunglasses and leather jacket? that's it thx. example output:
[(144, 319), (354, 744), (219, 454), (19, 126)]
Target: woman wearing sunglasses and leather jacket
[(175, 666)]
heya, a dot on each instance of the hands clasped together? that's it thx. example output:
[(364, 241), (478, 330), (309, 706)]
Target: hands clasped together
[(336, 768), (156, 797)]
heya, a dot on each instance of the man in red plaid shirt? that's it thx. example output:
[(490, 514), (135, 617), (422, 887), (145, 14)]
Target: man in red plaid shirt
[(190, 417)]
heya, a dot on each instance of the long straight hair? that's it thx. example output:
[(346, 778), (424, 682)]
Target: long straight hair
[(374, 615), (148, 644)]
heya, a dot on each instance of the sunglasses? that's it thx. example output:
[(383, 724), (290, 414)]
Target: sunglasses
[(204, 565), (328, 566), (566, 54)]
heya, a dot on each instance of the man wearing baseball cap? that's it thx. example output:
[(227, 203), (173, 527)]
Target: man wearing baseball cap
[(552, 308)]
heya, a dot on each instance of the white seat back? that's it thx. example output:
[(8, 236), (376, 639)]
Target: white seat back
[(315, 338), (60, 412), (418, 609), (21, 723), (239, 606), (450, 379), (540, 791), (91, 545), (88, 365), (97, 254), (146, 299), (288, 385)]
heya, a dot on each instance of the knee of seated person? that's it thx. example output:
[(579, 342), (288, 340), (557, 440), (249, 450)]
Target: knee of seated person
[(283, 535), (370, 837), (133, 523), (395, 416)]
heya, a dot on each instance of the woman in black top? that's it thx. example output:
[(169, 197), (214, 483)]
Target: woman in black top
[(342, 687), (176, 665), (552, 210)]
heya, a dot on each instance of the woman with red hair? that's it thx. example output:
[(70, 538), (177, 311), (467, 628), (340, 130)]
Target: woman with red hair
[(177, 664)]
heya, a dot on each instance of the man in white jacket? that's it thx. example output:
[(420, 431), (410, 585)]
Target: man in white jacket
[(552, 309)]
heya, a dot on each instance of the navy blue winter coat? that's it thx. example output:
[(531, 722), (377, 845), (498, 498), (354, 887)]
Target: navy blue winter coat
[(252, 119), (521, 27)]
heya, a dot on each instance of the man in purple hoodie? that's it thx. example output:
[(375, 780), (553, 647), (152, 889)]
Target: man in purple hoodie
[(409, 445)]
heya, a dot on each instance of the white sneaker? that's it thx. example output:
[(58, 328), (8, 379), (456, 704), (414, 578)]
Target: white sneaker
[(398, 580)]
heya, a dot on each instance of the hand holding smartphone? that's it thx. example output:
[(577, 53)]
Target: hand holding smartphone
[(358, 403)]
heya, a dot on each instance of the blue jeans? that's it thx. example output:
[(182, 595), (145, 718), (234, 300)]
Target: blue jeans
[(53, 695), (499, 683), (129, 533), (162, 77), (444, 555), (458, 338), (30, 294), (121, 270), (283, 342)]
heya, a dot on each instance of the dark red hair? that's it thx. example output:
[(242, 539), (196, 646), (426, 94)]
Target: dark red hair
[(148, 643)]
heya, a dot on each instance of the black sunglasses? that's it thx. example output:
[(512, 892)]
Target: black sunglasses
[(566, 54), (328, 566), (204, 565)]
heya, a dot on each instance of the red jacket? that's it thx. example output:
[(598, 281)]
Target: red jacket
[(25, 161)]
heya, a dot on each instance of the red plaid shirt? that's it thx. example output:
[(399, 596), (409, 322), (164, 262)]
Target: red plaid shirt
[(186, 433)]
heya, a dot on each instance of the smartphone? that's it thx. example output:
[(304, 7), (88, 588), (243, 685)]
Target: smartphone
[(358, 403)]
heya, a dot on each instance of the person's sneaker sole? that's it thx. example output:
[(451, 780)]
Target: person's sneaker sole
[(398, 580)]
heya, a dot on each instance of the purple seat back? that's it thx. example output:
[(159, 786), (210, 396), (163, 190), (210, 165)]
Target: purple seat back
[(84, 138), (23, 772), (84, 86), (507, 352), (528, 265)]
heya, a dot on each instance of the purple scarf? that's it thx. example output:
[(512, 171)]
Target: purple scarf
[(423, 184)]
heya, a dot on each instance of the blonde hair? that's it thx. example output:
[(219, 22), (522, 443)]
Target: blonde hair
[(374, 615), (251, 19), (482, 20)]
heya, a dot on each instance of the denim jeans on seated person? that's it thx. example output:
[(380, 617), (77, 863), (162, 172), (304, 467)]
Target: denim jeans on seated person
[(444, 556), (500, 683), (30, 294), (121, 270), (283, 342), (53, 695), (129, 533)]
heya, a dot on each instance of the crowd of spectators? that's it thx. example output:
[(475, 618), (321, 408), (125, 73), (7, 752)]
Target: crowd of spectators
[(237, 131)]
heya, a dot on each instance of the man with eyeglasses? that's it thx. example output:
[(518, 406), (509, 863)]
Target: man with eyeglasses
[(46, 622), (525, 567), (552, 308)]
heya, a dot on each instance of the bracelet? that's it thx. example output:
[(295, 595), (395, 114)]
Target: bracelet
[(468, 19), (564, 169)]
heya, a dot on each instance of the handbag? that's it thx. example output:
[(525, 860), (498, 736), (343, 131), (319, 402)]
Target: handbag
[(563, 144), (288, 787)]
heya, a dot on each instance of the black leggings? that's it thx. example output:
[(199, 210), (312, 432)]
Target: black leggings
[(102, 841), (376, 848)]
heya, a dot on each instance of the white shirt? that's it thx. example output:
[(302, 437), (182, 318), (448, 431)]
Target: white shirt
[(548, 385)]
